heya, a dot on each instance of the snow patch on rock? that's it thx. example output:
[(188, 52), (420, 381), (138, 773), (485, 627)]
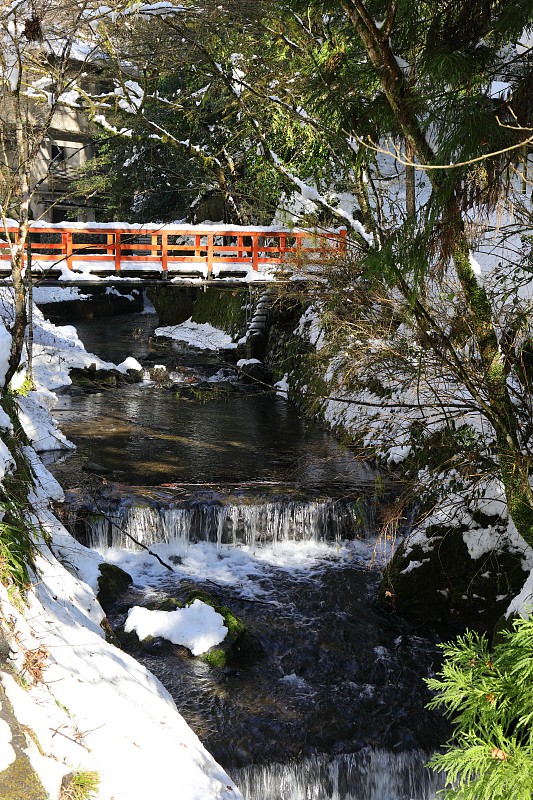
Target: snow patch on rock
[(197, 626)]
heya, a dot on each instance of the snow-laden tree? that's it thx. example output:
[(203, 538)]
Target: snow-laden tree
[(428, 118), (48, 49), (413, 127)]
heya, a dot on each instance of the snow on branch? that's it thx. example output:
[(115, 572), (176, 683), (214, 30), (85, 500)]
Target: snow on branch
[(310, 193), (143, 10)]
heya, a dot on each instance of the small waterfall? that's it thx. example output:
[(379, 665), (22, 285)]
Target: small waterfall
[(369, 775), (249, 524)]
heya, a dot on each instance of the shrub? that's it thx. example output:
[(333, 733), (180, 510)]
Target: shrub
[(489, 697)]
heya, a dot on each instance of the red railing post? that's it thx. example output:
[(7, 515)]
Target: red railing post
[(164, 251), (66, 244), (282, 245), (299, 255), (118, 250), (342, 239), (255, 251), (197, 245), (210, 243)]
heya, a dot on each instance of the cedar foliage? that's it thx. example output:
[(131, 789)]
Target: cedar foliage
[(488, 694)]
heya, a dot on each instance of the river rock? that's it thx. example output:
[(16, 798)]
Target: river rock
[(158, 373), (253, 371), (112, 581), (94, 468), (238, 647), (94, 380), (439, 582)]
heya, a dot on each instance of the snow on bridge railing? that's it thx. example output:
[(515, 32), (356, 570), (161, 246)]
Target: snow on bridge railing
[(207, 249)]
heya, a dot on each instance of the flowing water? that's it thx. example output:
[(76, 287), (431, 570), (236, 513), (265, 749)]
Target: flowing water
[(241, 497)]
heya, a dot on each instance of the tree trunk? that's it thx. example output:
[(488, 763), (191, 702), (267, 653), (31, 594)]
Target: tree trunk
[(18, 329), (514, 466)]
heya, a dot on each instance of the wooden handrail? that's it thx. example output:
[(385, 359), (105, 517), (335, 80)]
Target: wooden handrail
[(167, 247)]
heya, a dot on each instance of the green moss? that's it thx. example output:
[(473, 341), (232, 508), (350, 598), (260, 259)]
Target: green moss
[(169, 604), (233, 624), (222, 308), (216, 658), (199, 595), (238, 643), (19, 781), (173, 304)]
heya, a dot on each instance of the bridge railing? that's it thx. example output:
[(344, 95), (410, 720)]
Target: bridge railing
[(103, 247)]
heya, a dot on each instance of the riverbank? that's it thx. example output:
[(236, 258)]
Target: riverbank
[(85, 713)]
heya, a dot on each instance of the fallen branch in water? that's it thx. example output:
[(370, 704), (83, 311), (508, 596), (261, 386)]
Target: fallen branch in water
[(135, 541)]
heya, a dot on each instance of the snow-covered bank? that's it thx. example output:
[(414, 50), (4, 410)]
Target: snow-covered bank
[(85, 706), (96, 708), (374, 381)]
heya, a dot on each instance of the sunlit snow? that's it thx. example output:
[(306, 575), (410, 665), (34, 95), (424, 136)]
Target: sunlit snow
[(197, 626)]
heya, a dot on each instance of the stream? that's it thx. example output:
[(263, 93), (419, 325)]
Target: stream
[(243, 498)]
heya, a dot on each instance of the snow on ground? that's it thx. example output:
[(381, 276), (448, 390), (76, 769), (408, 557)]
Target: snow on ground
[(197, 626), (110, 714), (196, 334), (57, 294)]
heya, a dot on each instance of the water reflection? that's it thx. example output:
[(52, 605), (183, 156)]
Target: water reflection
[(151, 435)]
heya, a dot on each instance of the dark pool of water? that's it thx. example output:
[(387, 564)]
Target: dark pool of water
[(153, 435)]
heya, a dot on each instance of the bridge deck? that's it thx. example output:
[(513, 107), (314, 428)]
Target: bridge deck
[(78, 253)]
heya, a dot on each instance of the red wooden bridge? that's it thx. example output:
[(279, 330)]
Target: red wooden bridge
[(88, 252)]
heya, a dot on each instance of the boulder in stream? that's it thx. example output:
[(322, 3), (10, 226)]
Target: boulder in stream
[(440, 581), (112, 581), (238, 646)]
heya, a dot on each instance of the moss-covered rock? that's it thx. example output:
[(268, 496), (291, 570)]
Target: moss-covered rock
[(238, 646), (112, 581), (223, 308), (440, 582), (94, 380), (19, 781)]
